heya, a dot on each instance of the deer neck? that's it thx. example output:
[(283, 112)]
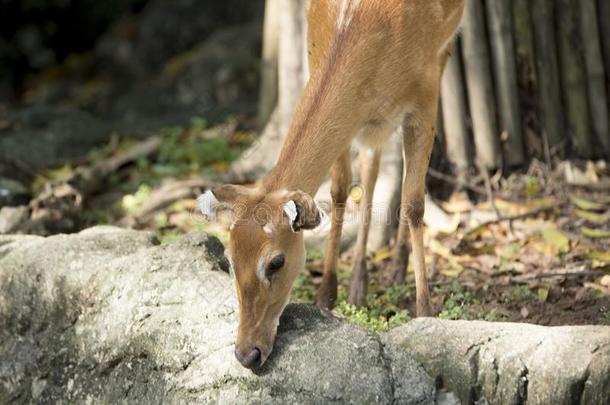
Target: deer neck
[(328, 116)]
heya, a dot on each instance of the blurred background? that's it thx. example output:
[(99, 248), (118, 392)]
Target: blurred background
[(122, 112)]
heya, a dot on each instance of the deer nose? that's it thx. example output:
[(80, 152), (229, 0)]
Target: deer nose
[(251, 360)]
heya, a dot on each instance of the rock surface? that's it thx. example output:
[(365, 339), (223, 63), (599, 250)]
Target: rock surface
[(512, 363), (109, 315)]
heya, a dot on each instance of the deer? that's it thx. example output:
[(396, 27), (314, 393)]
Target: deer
[(375, 65)]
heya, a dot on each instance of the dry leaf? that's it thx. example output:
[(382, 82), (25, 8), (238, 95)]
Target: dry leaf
[(594, 233), (592, 216), (524, 312), (438, 220), (543, 294), (382, 254), (586, 204), (557, 241), (599, 256)]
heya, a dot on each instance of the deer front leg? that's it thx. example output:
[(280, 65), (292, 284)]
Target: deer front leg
[(369, 169), (341, 177), (418, 140)]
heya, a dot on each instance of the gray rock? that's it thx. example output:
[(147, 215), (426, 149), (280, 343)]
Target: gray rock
[(164, 29), (510, 363), (44, 136), (13, 193), (11, 218), (110, 315)]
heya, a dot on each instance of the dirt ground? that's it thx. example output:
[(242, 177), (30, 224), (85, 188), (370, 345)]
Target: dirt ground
[(531, 247)]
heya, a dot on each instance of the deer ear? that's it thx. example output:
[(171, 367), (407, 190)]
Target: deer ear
[(302, 211), (207, 204), (221, 197)]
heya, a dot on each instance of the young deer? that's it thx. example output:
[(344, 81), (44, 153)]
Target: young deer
[(375, 64)]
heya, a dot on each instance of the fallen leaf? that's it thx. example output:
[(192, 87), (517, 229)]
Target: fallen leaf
[(524, 312), (356, 193), (437, 219), (543, 294), (558, 242), (586, 204), (453, 272), (574, 175), (458, 202), (382, 254), (592, 216), (599, 256), (594, 233)]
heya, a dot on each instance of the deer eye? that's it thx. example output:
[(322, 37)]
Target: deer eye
[(275, 264)]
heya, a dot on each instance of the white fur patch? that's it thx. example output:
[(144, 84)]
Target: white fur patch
[(268, 228), (207, 204), (260, 269), (290, 208), (346, 13)]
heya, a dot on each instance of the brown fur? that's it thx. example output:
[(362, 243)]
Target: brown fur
[(367, 76)]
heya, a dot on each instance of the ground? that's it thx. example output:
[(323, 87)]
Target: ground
[(535, 250)]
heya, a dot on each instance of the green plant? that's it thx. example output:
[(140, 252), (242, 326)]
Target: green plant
[(461, 303), (605, 317), (371, 319), (303, 289), (313, 254), (521, 293)]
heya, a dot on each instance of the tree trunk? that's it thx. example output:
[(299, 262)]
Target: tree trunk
[(292, 63), (503, 52), (603, 12), (480, 87), (453, 101), (292, 72), (595, 73), (269, 61), (548, 73), (573, 77)]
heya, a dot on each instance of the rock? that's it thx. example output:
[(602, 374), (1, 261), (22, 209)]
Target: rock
[(13, 193), (110, 315), (12, 218), (510, 363), (139, 44), (217, 75), (44, 136)]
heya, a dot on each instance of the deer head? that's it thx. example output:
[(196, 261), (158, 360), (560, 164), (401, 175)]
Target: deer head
[(266, 251)]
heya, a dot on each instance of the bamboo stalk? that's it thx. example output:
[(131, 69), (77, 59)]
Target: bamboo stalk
[(524, 42), (598, 100), (453, 101), (269, 61), (573, 77), (503, 53), (548, 73), (603, 8), (480, 87)]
